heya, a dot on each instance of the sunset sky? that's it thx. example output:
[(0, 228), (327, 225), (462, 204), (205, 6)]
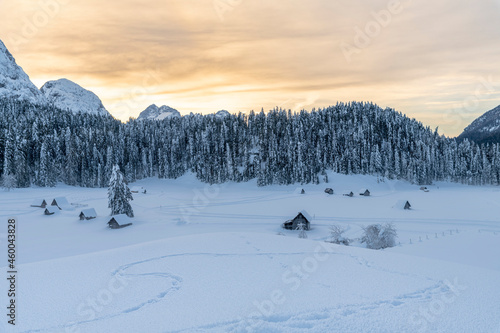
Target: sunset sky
[(436, 61)]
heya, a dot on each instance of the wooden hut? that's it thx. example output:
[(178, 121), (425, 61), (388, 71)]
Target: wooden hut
[(88, 214), (425, 189), (302, 217), (364, 192), (119, 221), (41, 203), (402, 204), (61, 203), (50, 210), (329, 191), (350, 194), (299, 190)]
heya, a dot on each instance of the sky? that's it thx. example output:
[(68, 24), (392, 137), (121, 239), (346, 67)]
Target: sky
[(436, 61)]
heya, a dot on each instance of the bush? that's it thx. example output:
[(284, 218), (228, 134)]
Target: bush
[(377, 236), (302, 228), (337, 234)]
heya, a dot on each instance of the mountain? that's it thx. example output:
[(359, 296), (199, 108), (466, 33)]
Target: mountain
[(14, 82), (485, 129), (67, 95), (153, 112)]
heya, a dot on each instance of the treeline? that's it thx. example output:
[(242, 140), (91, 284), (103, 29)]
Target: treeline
[(42, 146)]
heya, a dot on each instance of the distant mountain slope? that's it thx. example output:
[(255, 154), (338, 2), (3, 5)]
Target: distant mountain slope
[(14, 82), (154, 112), (485, 129), (67, 95)]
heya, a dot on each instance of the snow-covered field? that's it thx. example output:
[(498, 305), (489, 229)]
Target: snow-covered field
[(202, 258)]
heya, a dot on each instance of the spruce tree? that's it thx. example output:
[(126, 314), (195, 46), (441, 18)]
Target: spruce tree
[(119, 194)]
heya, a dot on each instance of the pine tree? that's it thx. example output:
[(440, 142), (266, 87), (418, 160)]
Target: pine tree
[(119, 194), (8, 181)]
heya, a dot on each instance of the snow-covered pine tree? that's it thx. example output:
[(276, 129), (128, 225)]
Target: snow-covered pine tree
[(8, 181), (119, 194)]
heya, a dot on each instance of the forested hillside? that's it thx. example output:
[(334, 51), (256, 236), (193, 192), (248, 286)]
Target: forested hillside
[(43, 145)]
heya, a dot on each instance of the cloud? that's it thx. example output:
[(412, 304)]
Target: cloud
[(427, 60)]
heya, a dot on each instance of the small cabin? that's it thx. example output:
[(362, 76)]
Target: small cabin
[(350, 194), (41, 203), (364, 192), (60, 202), (402, 204), (119, 221), (329, 191), (299, 190), (302, 218), (138, 189), (425, 189), (88, 214), (50, 210)]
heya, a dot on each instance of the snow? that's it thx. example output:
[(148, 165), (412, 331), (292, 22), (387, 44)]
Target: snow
[(51, 209), (307, 215), (484, 126), (154, 112), (38, 202), (230, 267), (62, 203), (121, 219), (67, 95), (89, 212), (14, 82), (137, 189)]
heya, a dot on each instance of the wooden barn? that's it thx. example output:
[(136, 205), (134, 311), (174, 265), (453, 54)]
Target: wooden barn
[(350, 194), (364, 192), (329, 191), (302, 217), (50, 210), (88, 214), (119, 221), (41, 203), (61, 203)]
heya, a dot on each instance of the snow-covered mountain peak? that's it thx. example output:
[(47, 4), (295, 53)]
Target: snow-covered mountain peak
[(485, 128), (154, 112), (67, 95), (14, 82)]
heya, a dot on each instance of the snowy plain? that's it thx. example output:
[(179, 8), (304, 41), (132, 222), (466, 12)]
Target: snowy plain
[(202, 258)]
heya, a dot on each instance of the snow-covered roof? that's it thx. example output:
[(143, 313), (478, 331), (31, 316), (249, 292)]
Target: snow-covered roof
[(38, 202), (400, 204), (121, 219), (306, 215), (298, 190), (52, 209), (89, 212), (61, 201)]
